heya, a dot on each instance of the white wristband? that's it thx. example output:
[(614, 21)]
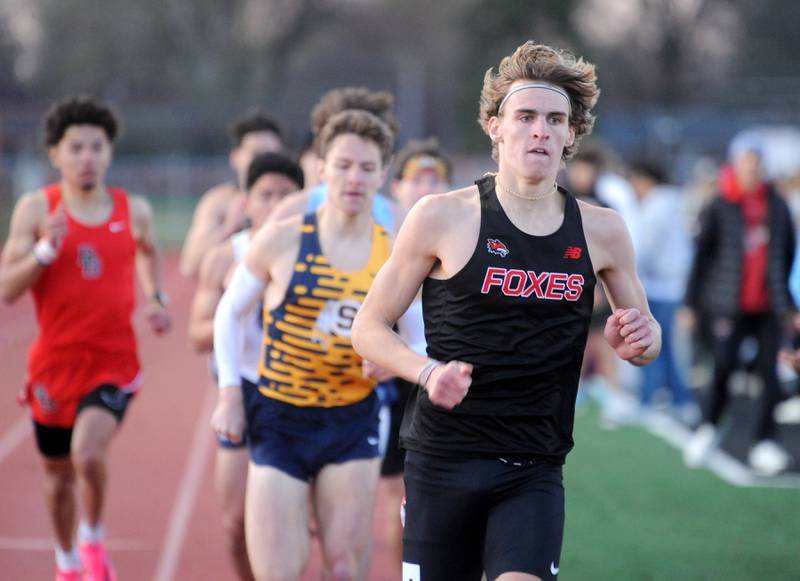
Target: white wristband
[(44, 252)]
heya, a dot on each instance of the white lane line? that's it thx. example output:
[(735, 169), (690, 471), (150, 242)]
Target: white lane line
[(187, 492), (46, 544), (14, 436), (719, 462)]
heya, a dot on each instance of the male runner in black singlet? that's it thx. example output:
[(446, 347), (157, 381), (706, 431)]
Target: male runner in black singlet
[(508, 269)]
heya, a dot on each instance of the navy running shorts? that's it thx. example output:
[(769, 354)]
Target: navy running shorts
[(466, 516), (300, 441)]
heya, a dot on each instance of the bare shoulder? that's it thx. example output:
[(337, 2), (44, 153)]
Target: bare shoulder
[(214, 203), (607, 236), (445, 210), (31, 208), (141, 209), (34, 201), (602, 224), (275, 237), (219, 194)]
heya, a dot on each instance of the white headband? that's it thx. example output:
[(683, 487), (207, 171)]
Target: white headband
[(547, 86)]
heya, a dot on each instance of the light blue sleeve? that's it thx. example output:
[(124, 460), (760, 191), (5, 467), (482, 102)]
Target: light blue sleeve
[(382, 212)]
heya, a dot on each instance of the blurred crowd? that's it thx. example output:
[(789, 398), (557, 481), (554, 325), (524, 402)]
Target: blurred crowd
[(716, 256)]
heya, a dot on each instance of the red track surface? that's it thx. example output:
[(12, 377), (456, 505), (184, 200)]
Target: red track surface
[(162, 518)]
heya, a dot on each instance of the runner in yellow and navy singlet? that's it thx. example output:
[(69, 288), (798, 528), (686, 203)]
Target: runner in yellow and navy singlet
[(308, 359), (315, 415)]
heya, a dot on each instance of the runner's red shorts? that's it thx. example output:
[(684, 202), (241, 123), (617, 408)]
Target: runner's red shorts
[(58, 381)]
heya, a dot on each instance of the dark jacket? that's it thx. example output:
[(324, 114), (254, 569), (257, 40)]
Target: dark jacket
[(715, 281)]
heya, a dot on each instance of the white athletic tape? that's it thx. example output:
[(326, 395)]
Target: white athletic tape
[(44, 252)]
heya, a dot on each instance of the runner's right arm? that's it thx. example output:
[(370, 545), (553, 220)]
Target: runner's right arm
[(27, 253), (413, 257), (247, 285)]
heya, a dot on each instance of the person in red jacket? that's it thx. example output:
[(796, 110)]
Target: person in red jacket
[(740, 283), (75, 244)]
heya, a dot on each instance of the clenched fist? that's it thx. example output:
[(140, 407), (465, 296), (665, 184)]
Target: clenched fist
[(448, 384)]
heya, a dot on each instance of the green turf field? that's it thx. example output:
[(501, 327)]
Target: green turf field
[(634, 512), (172, 216)]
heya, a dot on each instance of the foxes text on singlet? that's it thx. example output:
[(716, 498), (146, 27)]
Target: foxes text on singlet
[(519, 312), (308, 357)]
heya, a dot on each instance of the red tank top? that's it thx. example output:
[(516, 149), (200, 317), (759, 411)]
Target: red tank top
[(86, 297)]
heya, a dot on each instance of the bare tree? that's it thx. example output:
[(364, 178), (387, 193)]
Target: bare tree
[(662, 50)]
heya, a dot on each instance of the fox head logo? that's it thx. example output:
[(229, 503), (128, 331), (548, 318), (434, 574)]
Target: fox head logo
[(494, 246)]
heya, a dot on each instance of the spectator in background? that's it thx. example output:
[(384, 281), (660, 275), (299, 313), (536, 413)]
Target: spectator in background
[(744, 253), (663, 256)]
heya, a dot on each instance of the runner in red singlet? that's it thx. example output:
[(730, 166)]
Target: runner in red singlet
[(76, 245)]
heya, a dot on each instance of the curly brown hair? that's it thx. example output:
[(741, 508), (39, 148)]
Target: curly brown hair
[(379, 103), (539, 62), (361, 123), (79, 110)]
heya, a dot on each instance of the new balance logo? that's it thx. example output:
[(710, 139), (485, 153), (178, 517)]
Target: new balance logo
[(116, 227), (573, 252)]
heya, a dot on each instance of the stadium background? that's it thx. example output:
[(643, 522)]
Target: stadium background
[(679, 79)]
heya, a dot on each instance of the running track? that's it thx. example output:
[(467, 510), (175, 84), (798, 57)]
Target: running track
[(162, 517)]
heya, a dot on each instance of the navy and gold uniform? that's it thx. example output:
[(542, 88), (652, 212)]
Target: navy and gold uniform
[(316, 407)]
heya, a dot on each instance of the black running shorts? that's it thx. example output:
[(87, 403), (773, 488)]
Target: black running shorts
[(467, 516)]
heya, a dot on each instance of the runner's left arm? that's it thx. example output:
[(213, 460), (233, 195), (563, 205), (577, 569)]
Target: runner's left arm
[(631, 329)]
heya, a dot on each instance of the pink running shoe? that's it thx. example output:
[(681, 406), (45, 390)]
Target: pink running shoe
[(96, 564), (68, 575)]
